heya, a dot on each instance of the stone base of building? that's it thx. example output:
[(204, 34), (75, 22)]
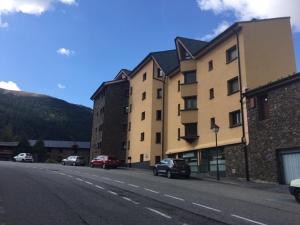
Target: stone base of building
[(141, 165)]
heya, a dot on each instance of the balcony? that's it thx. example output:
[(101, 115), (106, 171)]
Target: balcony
[(190, 138), (187, 65), (189, 89), (189, 116)]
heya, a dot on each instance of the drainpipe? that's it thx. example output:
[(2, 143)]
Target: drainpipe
[(163, 120), (245, 147)]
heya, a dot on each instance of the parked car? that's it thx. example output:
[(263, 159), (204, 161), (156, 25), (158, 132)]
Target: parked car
[(74, 160), (23, 157), (105, 161), (172, 167), (295, 189)]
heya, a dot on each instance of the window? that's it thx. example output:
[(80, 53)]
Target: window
[(129, 126), (158, 138), (178, 85), (141, 158), (231, 54), (159, 93), (130, 108), (126, 109), (233, 86), (99, 145), (263, 107), (235, 118), (144, 95), (212, 122), (96, 129), (143, 116), (211, 93), (158, 114), (142, 136), (190, 103), (128, 145), (210, 65), (178, 110), (190, 129), (144, 76), (157, 159), (130, 92), (159, 73), (178, 134), (190, 77)]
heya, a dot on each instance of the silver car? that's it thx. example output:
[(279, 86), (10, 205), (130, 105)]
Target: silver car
[(74, 160), (23, 157)]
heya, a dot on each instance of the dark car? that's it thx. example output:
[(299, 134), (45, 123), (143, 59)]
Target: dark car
[(74, 160), (105, 162), (172, 167)]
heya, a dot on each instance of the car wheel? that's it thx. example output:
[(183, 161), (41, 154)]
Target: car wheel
[(63, 163), (23, 160), (74, 164), (297, 196), (104, 166), (92, 165), (187, 176), (155, 173), (169, 175)]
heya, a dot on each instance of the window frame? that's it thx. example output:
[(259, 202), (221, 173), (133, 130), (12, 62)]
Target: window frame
[(158, 138), (159, 93), (185, 77), (142, 138), (231, 114), (158, 115), (230, 82), (228, 54)]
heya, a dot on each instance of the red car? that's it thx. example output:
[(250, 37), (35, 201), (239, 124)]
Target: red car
[(105, 161)]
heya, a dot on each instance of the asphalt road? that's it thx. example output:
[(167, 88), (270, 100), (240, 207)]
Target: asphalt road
[(46, 194)]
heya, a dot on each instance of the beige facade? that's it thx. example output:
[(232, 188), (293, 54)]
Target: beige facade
[(245, 56)]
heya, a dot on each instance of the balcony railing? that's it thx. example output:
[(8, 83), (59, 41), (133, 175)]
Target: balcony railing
[(189, 89), (189, 116), (187, 65)]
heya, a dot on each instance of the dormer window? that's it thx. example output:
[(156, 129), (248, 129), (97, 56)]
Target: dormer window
[(159, 73), (184, 55), (187, 56)]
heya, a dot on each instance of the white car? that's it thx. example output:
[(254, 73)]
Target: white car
[(295, 189), (23, 157)]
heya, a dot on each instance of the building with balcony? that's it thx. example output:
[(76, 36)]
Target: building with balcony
[(109, 135)]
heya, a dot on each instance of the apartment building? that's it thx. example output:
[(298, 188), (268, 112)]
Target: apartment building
[(109, 135)]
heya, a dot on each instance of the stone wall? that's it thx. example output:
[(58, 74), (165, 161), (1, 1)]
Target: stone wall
[(235, 160)]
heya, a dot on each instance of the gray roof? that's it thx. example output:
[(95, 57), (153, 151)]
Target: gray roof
[(62, 144), (167, 60), (9, 144), (192, 45)]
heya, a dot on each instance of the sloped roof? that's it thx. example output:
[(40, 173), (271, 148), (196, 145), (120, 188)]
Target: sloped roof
[(192, 45), (63, 144), (105, 84), (9, 144), (122, 71)]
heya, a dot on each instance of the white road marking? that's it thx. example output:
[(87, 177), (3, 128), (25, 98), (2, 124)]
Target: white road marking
[(171, 196), (246, 219), (70, 176), (113, 193), (133, 185), (118, 181), (156, 192), (94, 175), (207, 207), (87, 182), (97, 186), (79, 179), (62, 174), (130, 200), (159, 213)]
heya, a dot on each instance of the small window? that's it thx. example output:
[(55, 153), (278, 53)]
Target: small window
[(178, 85), (144, 76), (212, 122), (130, 108), (190, 77), (233, 86), (159, 73), (129, 126), (142, 136), (178, 134), (128, 145), (130, 92), (143, 115), (190, 103), (235, 119), (143, 95), (231, 54), (178, 110), (141, 158), (211, 93), (190, 129), (263, 107), (96, 129), (210, 65), (158, 114), (158, 138), (159, 93)]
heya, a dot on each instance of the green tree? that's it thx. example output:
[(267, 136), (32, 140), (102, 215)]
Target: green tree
[(39, 151), (23, 146)]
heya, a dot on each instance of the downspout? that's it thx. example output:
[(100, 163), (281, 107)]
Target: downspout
[(163, 120), (242, 110)]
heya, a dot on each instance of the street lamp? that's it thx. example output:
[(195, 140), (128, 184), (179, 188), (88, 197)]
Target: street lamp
[(216, 129)]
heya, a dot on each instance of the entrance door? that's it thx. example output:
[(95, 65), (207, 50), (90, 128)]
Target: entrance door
[(291, 166)]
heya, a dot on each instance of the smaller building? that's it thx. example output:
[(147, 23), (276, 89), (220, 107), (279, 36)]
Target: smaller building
[(274, 130), (55, 150)]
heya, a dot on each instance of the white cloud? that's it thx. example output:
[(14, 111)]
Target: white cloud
[(220, 28), (9, 86), (65, 52), (3, 24), (248, 9), (33, 7), (61, 86)]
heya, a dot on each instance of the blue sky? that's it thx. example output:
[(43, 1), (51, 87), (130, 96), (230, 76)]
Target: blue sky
[(68, 47)]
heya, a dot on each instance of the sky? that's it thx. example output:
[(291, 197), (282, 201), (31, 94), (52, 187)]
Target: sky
[(67, 48)]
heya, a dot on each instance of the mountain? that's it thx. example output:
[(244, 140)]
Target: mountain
[(35, 116)]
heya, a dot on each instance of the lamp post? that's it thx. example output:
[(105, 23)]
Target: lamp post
[(216, 130)]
